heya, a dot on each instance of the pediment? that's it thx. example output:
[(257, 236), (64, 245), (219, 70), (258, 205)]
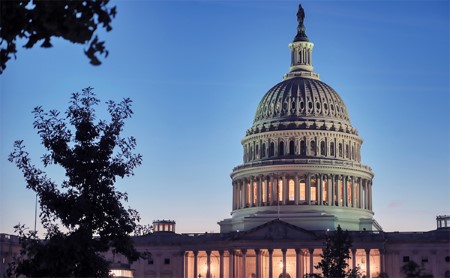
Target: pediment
[(276, 230)]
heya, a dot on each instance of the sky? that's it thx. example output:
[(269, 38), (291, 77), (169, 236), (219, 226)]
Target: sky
[(196, 71)]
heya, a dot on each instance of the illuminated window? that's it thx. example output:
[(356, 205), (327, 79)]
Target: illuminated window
[(302, 185), (280, 190), (291, 190), (324, 190), (247, 190), (264, 191), (341, 192), (313, 190), (255, 194), (349, 193), (269, 191)]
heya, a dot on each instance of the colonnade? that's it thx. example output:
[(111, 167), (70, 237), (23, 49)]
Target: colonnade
[(310, 189), (314, 146), (271, 263)]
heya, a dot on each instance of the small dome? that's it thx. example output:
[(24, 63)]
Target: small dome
[(300, 99)]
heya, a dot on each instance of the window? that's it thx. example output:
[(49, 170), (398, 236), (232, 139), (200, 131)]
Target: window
[(405, 259), (346, 151), (302, 147), (324, 190), (281, 148), (313, 190), (272, 149), (291, 147), (263, 150), (264, 191), (349, 193), (255, 194), (291, 190), (323, 149), (166, 261), (280, 190), (313, 147), (340, 150), (150, 261), (332, 148), (302, 190), (447, 259)]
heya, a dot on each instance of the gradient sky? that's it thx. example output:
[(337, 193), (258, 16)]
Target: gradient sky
[(196, 71)]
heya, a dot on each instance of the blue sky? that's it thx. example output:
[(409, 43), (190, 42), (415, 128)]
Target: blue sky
[(196, 71)]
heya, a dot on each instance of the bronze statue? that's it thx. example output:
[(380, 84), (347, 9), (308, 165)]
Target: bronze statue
[(300, 15)]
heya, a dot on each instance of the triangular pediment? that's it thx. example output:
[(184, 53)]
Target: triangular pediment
[(276, 230)]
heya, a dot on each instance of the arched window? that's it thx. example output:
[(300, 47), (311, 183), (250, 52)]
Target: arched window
[(280, 190), (323, 148), (257, 152), (263, 149), (281, 149), (302, 190), (291, 147), (313, 147), (251, 153), (291, 190), (272, 149), (340, 149), (332, 149), (302, 147), (255, 194), (325, 191), (346, 151)]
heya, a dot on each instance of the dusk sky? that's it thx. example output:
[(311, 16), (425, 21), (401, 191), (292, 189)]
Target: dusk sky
[(196, 71)]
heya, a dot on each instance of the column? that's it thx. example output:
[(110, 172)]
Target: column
[(258, 263), (382, 266), (259, 191), (244, 272), (338, 195), (284, 262), (208, 264), (231, 263), (252, 193), (184, 264), (311, 260), (329, 191), (296, 189), (234, 196), (221, 264), (195, 263), (308, 189), (319, 189), (270, 263), (244, 192), (285, 196), (298, 273), (344, 186), (353, 191), (370, 196), (353, 258), (368, 263)]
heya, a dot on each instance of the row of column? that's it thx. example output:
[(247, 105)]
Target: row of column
[(329, 190), (237, 263)]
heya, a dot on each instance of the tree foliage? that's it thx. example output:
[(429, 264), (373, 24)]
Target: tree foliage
[(412, 269), (40, 20), (335, 255), (83, 216)]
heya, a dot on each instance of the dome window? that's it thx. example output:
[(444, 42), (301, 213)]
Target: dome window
[(302, 148), (318, 105), (263, 149), (272, 149), (323, 148), (332, 149), (302, 105), (291, 147), (281, 149), (310, 105)]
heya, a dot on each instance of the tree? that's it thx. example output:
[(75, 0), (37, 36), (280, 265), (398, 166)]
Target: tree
[(40, 20), (412, 269), (335, 255), (83, 216)]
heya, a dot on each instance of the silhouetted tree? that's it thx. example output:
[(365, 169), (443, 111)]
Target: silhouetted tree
[(84, 216), (335, 255), (412, 269), (40, 20)]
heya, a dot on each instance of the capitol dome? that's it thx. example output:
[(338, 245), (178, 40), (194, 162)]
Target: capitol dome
[(301, 156)]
